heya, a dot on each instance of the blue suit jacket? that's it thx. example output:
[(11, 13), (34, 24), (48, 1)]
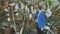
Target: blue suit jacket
[(41, 20)]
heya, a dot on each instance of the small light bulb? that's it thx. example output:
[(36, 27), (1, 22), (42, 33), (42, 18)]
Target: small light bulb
[(17, 14), (8, 19)]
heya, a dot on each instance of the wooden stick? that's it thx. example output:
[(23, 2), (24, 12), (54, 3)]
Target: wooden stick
[(14, 20)]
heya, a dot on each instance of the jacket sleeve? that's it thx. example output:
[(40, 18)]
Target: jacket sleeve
[(41, 20), (43, 17)]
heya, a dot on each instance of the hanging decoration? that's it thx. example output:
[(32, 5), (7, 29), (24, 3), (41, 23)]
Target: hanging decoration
[(48, 12)]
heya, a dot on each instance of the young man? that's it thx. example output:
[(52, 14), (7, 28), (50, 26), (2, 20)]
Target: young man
[(41, 20)]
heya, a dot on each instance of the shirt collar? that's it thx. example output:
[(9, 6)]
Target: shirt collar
[(41, 10)]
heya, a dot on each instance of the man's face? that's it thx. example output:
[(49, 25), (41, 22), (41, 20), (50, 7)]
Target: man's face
[(38, 10)]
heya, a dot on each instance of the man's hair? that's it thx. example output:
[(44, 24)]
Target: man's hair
[(39, 7)]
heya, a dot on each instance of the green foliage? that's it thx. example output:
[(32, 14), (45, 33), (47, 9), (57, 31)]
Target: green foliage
[(2, 12), (52, 2), (24, 2), (26, 31)]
